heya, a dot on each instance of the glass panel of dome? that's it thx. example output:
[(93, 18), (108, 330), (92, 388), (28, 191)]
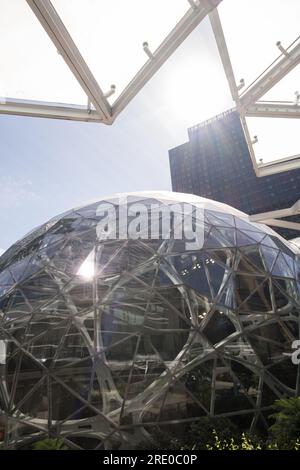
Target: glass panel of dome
[(110, 34), (31, 67), (218, 327), (199, 383), (6, 281), (282, 267), (285, 372), (224, 383), (250, 259)]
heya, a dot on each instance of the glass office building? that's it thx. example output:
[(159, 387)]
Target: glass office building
[(105, 340), (215, 163)]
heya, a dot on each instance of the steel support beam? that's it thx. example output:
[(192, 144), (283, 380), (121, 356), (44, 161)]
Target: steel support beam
[(59, 35), (271, 218), (294, 210), (224, 54), (246, 102), (282, 224), (48, 110), (186, 25), (270, 109), (278, 166), (272, 76), (249, 143)]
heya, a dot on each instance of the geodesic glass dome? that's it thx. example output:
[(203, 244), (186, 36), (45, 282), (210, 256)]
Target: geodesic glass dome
[(104, 340)]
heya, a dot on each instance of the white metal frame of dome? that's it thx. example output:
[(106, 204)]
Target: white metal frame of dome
[(98, 108)]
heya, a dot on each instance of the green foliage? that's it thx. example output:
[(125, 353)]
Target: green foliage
[(286, 429), (201, 433), (245, 443), (196, 436), (222, 434), (50, 444)]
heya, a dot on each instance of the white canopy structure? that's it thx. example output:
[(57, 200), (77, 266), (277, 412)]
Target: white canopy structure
[(108, 51)]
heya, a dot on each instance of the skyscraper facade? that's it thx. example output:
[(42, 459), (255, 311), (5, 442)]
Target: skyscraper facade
[(215, 163)]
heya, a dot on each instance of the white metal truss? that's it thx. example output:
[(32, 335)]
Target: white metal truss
[(59, 35), (247, 101), (104, 112), (224, 54), (98, 108), (279, 166), (286, 62), (48, 110), (274, 109), (274, 218), (188, 23)]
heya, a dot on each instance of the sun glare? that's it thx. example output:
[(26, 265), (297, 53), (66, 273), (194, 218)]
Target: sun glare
[(87, 268)]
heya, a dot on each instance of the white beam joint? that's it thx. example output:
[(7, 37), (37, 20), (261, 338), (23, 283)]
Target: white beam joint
[(180, 32), (279, 166), (272, 76)]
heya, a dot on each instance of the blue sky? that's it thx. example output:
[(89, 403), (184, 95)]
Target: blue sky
[(50, 166)]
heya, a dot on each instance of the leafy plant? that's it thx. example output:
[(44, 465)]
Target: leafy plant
[(246, 443), (50, 444), (286, 429), (202, 434)]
